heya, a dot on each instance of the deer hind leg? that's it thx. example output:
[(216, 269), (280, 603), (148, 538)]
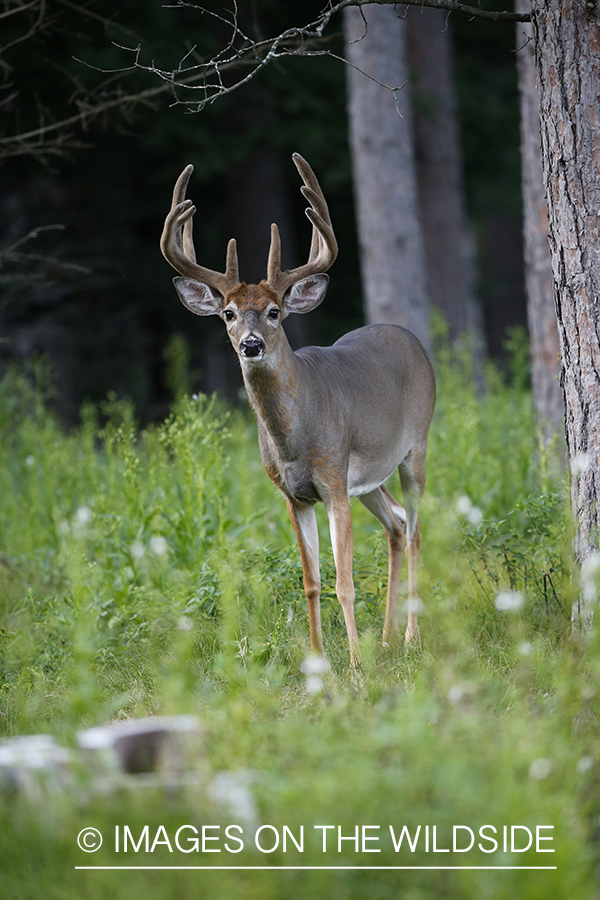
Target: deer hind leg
[(393, 518), (342, 542), (304, 523), (412, 478)]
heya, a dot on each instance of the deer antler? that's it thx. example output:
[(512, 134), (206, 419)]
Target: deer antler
[(323, 248), (178, 248)]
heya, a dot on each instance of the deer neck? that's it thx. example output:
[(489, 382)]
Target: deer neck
[(272, 386)]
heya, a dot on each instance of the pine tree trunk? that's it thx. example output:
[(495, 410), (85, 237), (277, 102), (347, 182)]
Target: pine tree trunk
[(448, 245), (390, 239), (567, 52), (541, 315)]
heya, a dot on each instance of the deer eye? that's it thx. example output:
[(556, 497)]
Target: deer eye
[(229, 315), (273, 313)]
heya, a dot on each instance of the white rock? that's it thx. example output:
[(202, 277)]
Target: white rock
[(34, 764), (133, 746)]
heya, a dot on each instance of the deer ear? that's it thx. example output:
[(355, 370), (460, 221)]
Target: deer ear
[(198, 297), (306, 294)]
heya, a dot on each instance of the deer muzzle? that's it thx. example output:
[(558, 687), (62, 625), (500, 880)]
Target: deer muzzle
[(252, 346)]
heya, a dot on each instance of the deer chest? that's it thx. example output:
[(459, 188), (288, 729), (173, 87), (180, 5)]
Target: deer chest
[(294, 479)]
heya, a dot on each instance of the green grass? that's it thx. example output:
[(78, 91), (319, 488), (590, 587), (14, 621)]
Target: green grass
[(156, 572)]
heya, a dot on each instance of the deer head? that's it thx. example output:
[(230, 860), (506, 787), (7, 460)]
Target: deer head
[(252, 312)]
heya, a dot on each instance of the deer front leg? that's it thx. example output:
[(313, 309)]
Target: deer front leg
[(304, 523), (393, 518), (342, 541)]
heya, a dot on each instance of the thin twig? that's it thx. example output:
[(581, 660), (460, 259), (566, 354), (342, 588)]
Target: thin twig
[(30, 236)]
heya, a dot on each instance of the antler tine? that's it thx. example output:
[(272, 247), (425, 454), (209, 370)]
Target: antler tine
[(317, 202), (311, 190), (274, 260), (188, 238), (231, 264), (181, 184), (182, 255), (323, 248)]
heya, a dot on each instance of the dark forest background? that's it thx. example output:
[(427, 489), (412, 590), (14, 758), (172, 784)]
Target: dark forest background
[(95, 295)]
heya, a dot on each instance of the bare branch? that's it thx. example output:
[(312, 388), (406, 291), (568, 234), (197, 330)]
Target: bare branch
[(194, 82), (206, 78), (36, 27), (86, 114), (17, 9), (31, 235), (475, 12), (105, 20)]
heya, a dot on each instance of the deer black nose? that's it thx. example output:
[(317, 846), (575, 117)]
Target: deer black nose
[(252, 346)]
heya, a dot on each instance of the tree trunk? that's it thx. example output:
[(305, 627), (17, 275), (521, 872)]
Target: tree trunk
[(448, 245), (389, 231), (567, 54), (541, 315)]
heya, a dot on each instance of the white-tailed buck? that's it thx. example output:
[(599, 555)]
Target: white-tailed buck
[(333, 422)]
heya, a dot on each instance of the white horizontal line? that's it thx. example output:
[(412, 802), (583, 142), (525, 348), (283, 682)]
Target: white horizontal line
[(330, 868)]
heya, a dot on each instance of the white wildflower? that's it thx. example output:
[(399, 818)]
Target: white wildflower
[(81, 520), (591, 564), (30, 460), (137, 550), (509, 600), (314, 684), (158, 545), (462, 691), (83, 515), (580, 463), (475, 516), (585, 764), (315, 665), (231, 792), (185, 624), (463, 505), (589, 576), (414, 605), (540, 768), (456, 693), (526, 648)]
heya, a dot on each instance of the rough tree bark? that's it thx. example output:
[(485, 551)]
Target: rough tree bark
[(448, 247), (567, 52), (541, 315), (390, 239)]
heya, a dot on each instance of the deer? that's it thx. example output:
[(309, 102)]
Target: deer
[(333, 422)]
